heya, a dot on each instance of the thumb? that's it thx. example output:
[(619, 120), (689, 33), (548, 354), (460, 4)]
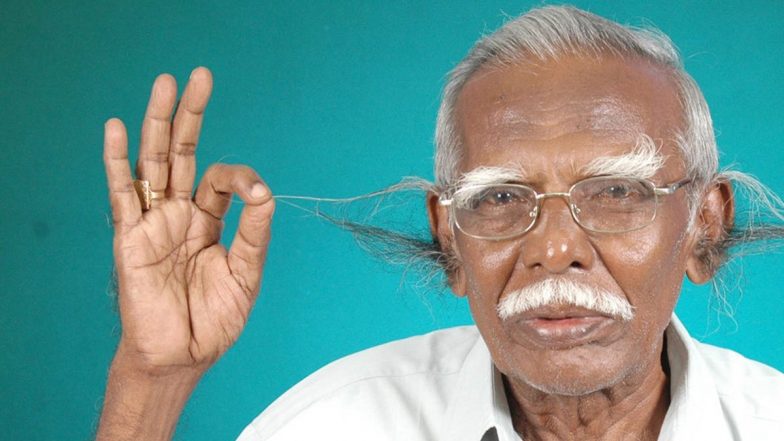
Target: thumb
[(249, 248)]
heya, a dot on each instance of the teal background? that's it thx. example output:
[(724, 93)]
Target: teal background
[(322, 98)]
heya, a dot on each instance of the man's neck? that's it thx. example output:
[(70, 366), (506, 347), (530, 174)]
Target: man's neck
[(632, 410)]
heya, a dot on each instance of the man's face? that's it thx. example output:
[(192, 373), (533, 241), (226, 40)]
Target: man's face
[(549, 120)]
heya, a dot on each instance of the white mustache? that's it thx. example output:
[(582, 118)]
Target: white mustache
[(564, 292)]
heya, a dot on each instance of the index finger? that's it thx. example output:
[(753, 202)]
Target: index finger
[(185, 133)]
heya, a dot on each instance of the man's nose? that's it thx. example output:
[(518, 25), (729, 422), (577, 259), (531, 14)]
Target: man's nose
[(556, 243)]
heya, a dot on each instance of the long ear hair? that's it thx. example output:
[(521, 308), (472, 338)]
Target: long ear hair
[(757, 228), (408, 246)]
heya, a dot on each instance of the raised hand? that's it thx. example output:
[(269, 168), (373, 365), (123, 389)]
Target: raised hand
[(184, 299)]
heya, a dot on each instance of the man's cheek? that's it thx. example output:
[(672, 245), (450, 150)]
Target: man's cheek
[(491, 266), (635, 257), (500, 258)]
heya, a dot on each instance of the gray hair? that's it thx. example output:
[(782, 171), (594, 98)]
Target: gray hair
[(552, 31), (545, 34), (549, 32)]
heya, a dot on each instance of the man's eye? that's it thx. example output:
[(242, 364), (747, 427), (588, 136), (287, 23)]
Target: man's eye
[(615, 192), (503, 198), (494, 198), (500, 198), (618, 191)]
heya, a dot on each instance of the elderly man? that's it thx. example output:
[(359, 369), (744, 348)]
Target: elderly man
[(576, 186)]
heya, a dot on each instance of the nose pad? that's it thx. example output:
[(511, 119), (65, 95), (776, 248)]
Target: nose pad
[(557, 206), (556, 242), (533, 215)]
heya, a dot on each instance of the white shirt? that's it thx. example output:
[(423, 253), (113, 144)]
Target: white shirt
[(443, 386)]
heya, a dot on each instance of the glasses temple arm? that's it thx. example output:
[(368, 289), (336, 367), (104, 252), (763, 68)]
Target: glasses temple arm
[(672, 188)]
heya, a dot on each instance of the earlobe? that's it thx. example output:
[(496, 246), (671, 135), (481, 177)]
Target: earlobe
[(697, 271), (442, 234), (457, 282), (714, 221)]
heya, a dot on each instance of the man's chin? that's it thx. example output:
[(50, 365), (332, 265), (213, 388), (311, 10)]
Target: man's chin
[(575, 373)]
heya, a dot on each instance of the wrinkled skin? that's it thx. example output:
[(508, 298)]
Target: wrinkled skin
[(548, 120), (184, 298)]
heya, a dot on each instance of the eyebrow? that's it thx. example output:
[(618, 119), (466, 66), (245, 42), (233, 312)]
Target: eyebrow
[(489, 175), (476, 179), (643, 162)]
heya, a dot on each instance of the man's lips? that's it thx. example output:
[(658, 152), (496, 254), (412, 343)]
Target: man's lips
[(561, 327), (557, 312)]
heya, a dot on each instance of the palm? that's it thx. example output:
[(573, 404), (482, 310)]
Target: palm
[(184, 299)]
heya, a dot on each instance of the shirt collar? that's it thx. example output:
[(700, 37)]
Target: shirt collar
[(480, 404), (695, 410)]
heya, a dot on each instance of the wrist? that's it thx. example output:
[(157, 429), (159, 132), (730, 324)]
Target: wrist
[(132, 364), (141, 403)]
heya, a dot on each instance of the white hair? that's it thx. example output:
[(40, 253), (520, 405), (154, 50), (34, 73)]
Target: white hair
[(643, 162), (545, 34), (488, 175), (478, 178), (549, 32), (556, 291)]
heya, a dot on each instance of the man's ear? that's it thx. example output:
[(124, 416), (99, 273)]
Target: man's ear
[(713, 222), (442, 233)]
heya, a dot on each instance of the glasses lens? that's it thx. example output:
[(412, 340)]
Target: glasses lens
[(614, 205), (494, 211)]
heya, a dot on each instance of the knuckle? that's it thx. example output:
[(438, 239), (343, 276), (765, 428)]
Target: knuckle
[(122, 188), (257, 220), (184, 148), (158, 157), (243, 175), (215, 169), (182, 194), (244, 169)]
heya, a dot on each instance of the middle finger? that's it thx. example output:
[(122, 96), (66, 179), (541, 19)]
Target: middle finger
[(185, 133), (153, 163)]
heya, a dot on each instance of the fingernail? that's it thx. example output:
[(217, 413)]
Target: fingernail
[(258, 191)]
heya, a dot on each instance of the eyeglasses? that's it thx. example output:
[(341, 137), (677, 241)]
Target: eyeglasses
[(601, 204)]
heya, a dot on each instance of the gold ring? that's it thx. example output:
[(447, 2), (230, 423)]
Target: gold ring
[(145, 193)]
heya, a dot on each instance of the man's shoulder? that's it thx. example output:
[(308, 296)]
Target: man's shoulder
[(370, 390), (745, 386)]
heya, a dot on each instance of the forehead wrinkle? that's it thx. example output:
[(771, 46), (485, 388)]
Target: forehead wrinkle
[(551, 117), (643, 162)]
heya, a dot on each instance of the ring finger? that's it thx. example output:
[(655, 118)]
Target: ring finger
[(153, 163)]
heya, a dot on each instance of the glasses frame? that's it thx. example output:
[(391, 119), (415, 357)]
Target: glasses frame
[(665, 190)]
